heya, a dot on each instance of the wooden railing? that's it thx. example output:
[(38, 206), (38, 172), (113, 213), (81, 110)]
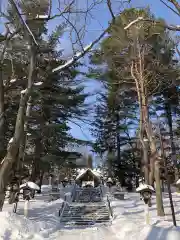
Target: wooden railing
[(87, 195)]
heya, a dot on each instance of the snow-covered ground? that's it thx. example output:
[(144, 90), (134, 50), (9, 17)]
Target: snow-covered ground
[(128, 223)]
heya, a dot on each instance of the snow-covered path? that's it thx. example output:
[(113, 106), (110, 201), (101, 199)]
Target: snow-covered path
[(128, 224), (97, 233)]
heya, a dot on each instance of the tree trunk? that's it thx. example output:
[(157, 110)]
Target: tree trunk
[(137, 72), (146, 162), (2, 120), (41, 180), (13, 148), (2, 109), (155, 170), (110, 152), (118, 138), (22, 147), (173, 148), (159, 201), (36, 159), (14, 144)]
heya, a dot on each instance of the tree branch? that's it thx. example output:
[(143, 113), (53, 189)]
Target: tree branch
[(176, 4), (77, 33), (25, 26), (82, 53), (110, 9), (141, 19), (134, 22), (170, 7), (88, 47)]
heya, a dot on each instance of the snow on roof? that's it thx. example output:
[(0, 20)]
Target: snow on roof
[(144, 187), (85, 170), (110, 180)]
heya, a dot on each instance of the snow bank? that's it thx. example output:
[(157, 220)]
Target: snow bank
[(58, 201), (42, 221), (129, 224), (159, 233), (18, 227), (131, 231)]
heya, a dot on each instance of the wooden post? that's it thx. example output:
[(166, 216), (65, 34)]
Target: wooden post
[(147, 216)]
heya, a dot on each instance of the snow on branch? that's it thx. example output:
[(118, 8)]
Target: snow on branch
[(44, 17), (141, 19), (11, 140), (81, 54), (13, 80), (134, 22), (38, 83)]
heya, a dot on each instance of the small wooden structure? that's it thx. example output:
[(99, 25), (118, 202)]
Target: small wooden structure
[(88, 175)]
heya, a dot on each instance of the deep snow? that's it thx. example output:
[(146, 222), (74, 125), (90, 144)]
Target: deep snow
[(128, 223)]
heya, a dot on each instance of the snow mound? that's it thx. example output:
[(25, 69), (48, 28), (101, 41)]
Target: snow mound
[(58, 201), (131, 231), (159, 233), (18, 227)]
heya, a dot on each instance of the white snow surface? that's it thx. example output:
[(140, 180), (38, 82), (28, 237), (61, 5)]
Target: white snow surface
[(127, 223)]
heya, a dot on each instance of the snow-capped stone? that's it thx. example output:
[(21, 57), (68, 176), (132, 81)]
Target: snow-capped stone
[(144, 187)]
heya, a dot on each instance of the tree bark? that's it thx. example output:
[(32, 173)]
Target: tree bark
[(167, 175), (146, 163), (22, 147), (159, 201), (2, 109), (155, 167), (173, 148), (13, 147), (41, 180), (35, 162), (118, 139)]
